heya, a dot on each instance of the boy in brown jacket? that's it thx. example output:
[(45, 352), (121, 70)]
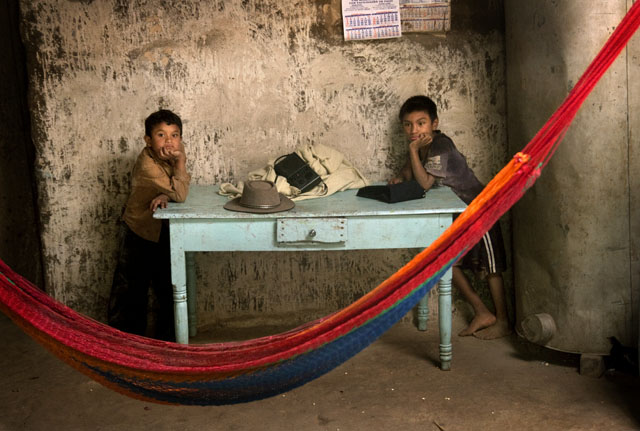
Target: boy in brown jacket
[(159, 176)]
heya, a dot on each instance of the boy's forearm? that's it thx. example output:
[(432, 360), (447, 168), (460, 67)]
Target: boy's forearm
[(407, 172), (180, 167), (423, 178), (178, 184), (180, 180), (148, 174)]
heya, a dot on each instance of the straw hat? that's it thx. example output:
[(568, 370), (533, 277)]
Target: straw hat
[(260, 197)]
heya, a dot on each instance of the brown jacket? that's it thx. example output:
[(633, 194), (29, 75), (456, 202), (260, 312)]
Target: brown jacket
[(150, 178)]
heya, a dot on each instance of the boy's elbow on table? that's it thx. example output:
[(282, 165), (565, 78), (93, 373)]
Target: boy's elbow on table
[(180, 194), (179, 190)]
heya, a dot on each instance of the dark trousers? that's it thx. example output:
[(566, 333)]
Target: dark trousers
[(142, 264), (488, 256)]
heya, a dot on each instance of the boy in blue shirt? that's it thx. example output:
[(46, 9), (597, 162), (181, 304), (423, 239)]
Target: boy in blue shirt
[(159, 176), (435, 160)]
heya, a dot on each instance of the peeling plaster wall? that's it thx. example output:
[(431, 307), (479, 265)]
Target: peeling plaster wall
[(576, 231), (251, 80), (633, 87)]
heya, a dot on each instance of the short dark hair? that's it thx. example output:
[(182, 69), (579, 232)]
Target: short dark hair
[(161, 116), (419, 103)]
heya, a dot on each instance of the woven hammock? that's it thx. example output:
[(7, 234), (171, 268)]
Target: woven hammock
[(235, 372)]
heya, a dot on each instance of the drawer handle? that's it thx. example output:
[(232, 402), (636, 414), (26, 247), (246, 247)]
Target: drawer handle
[(312, 233)]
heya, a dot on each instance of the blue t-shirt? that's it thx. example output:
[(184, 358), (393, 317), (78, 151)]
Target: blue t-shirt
[(450, 168)]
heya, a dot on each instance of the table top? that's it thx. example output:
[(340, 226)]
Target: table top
[(204, 202)]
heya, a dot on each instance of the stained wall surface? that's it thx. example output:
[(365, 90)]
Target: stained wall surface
[(576, 231), (633, 71), (251, 80)]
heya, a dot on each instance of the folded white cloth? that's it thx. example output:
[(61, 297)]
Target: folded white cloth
[(336, 172)]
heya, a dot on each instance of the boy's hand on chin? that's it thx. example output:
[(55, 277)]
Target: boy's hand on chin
[(420, 143), (174, 156)]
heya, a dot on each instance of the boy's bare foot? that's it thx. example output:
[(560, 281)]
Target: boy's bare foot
[(480, 321), (498, 330)]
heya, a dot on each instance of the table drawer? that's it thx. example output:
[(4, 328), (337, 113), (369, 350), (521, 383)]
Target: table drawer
[(311, 230)]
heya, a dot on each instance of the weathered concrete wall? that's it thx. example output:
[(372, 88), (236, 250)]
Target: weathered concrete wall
[(251, 79), (576, 231), (19, 236), (633, 83)]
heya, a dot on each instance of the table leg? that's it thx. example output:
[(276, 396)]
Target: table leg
[(179, 282), (191, 294), (444, 319), (423, 313)]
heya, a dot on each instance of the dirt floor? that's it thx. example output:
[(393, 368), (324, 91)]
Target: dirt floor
[(394, 384)]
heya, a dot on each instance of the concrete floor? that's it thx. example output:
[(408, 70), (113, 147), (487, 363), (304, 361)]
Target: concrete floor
[(394, 384)]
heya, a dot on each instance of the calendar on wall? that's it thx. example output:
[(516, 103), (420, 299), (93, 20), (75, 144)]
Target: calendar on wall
[(384, 19), (425, 15), (371, 19)]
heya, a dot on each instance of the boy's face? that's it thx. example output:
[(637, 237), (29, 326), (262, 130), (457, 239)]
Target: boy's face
[(165, 138), (418, 124)]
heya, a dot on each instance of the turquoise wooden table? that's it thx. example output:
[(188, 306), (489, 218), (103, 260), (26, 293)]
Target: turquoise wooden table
[(341, 221)]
